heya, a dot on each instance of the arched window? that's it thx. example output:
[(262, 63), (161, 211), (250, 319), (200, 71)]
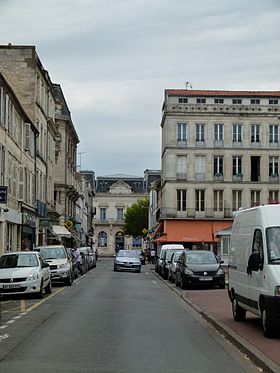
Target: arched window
[(102, 239)]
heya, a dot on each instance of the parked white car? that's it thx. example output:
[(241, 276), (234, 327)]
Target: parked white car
[(24, 272)]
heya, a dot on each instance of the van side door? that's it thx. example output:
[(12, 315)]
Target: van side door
[(256, 277)]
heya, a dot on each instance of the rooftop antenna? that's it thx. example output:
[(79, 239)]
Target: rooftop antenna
[(188, 85)]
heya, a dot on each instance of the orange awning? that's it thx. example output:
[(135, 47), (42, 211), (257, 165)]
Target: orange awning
[(192, 230), (158, 229)]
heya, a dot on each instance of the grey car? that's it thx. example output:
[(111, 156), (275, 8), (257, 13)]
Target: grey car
[(172, 265), (127, 260)]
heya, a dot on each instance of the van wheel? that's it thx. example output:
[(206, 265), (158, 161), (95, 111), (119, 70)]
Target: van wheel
[(239, 313), (48, 288), (268, 326)]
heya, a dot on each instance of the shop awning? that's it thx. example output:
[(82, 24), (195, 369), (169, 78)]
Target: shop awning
[(59, 230), (192, 230)]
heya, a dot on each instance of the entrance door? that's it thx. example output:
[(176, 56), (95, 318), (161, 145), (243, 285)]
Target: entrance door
[(119, 241)]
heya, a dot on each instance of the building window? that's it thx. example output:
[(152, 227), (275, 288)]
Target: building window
[(255, 101), (255, 133), (218, 165), (237, 166), (200, 162), (273, 102), (102, 239), (182, 131), (218, 132), (200, 132), (201, 100), (237, 133), (237, 101), (119, 214), (218, 200), (218, 100), (236, 200), (200, 200), (273, 134), (273, 166), (181, 199), (255, 198), (273, 196), (102, 214), (182, 100), (182, 167)]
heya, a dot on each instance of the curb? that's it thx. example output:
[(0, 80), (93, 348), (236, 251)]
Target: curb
[(255, 355)]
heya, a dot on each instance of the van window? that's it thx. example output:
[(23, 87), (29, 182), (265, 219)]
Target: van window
[(258, 243), (273, 243)]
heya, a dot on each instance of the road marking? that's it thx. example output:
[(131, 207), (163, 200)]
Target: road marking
[(17, 317), (43, 300), (4, 336), (154, 282), (3, 326), (10, 321)]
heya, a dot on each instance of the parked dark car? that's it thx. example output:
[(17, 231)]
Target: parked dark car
[(199, 267)]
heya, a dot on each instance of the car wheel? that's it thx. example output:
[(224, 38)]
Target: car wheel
[(239, 313), (68, 281), (268, 326), (115, 269), (48, 288), (41, 291)]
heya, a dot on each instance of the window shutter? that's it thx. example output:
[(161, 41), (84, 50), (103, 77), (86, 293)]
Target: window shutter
[(21, 183), (27, 136), (1, 105), (7, 112)]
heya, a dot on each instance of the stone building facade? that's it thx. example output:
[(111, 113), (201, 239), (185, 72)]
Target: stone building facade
[(17, 172), (220, 152), (22, 68), (114, 194)]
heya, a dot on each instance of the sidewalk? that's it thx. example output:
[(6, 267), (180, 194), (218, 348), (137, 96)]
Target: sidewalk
[(214, 305)]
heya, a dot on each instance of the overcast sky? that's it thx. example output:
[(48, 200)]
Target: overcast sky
[(115, 58)]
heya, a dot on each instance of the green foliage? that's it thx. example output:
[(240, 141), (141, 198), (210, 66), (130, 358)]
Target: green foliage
[(136, 218)]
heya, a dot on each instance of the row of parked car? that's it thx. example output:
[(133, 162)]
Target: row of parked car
[(34, 272), (189, 268)]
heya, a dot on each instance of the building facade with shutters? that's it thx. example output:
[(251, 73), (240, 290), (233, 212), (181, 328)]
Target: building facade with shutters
[(17, 173), (220, 152)]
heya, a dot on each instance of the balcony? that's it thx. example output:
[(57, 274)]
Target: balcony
[(219, 177), (274, 178), (237, 178)]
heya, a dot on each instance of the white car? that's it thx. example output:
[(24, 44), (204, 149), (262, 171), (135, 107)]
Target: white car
[(24, 272)]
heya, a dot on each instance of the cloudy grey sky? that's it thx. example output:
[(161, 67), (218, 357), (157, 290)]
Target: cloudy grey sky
[(114, 58)]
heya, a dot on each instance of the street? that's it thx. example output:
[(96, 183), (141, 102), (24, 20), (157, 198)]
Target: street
[(114, 322)]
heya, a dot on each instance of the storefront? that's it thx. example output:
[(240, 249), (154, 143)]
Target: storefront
[(28, 229)]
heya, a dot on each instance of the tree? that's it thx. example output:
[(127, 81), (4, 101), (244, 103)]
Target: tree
[(136, 218)]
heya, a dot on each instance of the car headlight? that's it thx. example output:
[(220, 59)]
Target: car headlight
[(220, 271), (118, 262), (63, 266), (277, 291), (32, 277), (188, 271)]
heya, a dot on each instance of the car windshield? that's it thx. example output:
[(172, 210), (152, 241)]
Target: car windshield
[(176, 256), (18, 261), (53, 252), (128, 253), (273, 244), (169, 254), (201, 258)]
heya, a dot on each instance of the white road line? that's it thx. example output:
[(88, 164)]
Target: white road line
[(17, 317), (3, 326), (10, 321), (154, 282), (4, 336)]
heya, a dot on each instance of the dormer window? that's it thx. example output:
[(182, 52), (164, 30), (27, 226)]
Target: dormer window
[(273, 102), (201, 100), (255, 101), (182, 100), (218, 100), (237, 101)]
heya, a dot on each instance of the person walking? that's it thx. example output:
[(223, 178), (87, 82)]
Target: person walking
[(96, 254), (153, 255), (79, 260)]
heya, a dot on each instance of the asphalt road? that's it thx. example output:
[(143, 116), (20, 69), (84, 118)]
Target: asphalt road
[(115, 322)]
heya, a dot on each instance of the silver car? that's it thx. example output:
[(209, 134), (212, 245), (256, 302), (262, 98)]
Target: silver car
[(172, 265), (127, 260)]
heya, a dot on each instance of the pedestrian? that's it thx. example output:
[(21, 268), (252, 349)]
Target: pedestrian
[(79, 260), (153, 255), (96, 254), (148, 255)]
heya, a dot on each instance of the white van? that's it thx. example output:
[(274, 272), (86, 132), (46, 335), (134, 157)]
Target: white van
[(254, 266), (160, 260)]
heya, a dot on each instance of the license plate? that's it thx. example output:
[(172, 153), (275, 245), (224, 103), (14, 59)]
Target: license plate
[(10, 286), (206, 278)]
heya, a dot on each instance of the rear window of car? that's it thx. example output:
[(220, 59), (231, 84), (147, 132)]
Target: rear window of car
[(201, 258)]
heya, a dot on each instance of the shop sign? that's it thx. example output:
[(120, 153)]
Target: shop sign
[(28, 218), (45, 223)]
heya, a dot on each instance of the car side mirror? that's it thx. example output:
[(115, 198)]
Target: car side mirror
[(45, 265), (221, 261)]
